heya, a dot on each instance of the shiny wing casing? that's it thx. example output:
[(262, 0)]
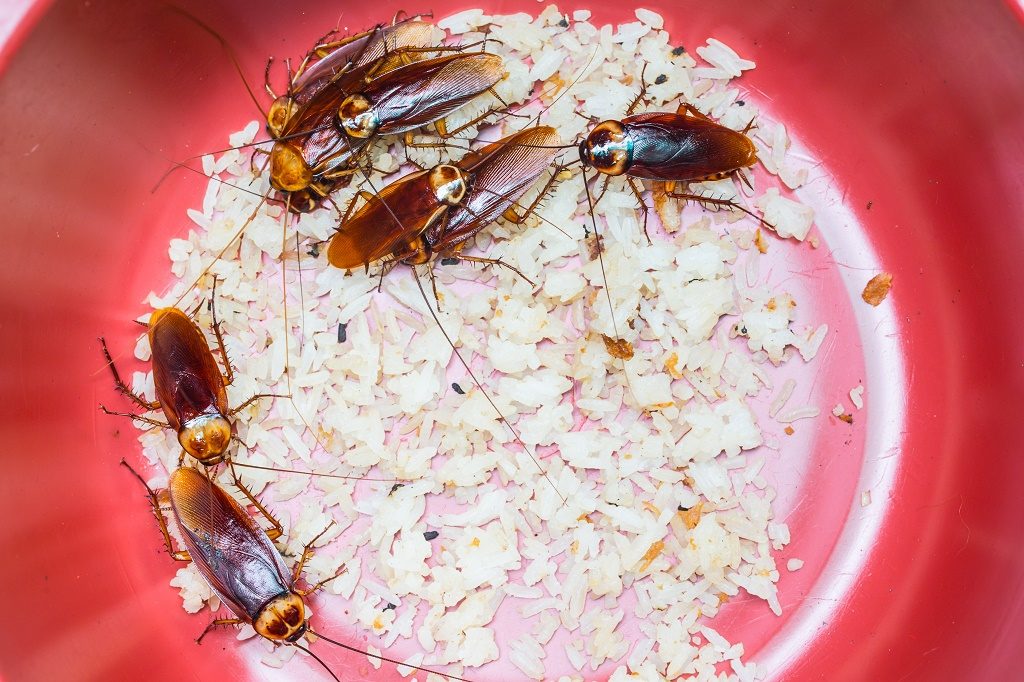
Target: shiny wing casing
[(676, 147)]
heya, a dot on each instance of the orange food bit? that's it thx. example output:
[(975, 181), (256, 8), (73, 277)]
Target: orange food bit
[(877, 288), (691, 516), (651, 555), (475, 542), (789, 430), (618, 348), (760, 242)]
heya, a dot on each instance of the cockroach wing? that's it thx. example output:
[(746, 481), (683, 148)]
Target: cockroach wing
[(235, 556), (675, 147), (388, 221), (502, 172), (185, 374), (362, 50), (414, 95)]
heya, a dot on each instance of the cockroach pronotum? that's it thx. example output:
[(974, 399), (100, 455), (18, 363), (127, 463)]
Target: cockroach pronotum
[(190, 388), (240, 563), (334, 130)]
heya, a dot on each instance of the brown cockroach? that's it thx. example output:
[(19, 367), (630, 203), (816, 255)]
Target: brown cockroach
[(190, 388), (237, 558), (337, 125), (344, 62), (434, 212)]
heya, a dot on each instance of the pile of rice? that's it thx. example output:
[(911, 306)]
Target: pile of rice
[(666, 516)]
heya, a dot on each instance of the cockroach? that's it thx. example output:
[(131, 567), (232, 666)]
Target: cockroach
[(673, 148), (336, 126), (237, 558), (190, 388), (339, 63), (432, 213)]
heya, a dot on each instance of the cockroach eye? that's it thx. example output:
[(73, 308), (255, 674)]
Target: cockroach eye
[(357, 116), (288, 170), (448, 184), (608, 148)]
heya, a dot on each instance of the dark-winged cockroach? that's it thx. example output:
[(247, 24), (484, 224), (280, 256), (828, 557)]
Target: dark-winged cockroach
[(340, 63), (434, 212), (240, 563), (190, 388), (334, 128)]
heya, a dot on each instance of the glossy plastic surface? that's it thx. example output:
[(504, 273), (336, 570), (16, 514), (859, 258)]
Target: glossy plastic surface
[(913, 107)]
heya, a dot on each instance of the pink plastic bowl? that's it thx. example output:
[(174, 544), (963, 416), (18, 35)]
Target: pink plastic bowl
[(914, 108)]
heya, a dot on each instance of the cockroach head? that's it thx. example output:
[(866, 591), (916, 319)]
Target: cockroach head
[(357, 116), (282, 619), (448, 183), (206, 438), (608, 148), (280, 112), (288, 170)]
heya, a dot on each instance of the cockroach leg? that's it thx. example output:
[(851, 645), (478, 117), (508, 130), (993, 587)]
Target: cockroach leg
[(637, 192), (266, 79), (687, 108), (154, 501), (640, 95), (277, 530), (136, 417), (433, 285), (307, 553), (725, 203), (229, 372), (495, 261), (254, 398), (216, 623), (518, 218), (122, 387)]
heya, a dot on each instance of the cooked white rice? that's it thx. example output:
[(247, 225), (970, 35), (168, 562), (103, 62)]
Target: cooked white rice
[(634, 446)]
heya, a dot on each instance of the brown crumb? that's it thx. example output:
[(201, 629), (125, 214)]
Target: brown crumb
[(877, 288), (789, 430), (759, 241), (618, 348), (593, 247), (848, 418)]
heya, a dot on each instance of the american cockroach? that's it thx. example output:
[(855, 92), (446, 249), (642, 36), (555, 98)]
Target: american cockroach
[(336, 126), (236, 556), (434, 212), (190, 388)]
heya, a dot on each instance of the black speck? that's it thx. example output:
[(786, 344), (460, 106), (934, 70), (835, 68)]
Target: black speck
[(449, 261), (564, 23), (458, 389), (342, 332), (660, 79), (680, 508), (314, 250), (395, 487), (678, 51), (870, 204), (390, 607), (740, 103), (430, 535)]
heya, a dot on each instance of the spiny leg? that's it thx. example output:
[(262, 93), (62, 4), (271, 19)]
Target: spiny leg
[(726, 203), (266, 78), (637, 192), (216, 623), (253, 399), (123, 387), (136, 417), (154, 501), (686, 108), (229, 372), (307, 553), (495, 261), (517, 218), (272, 533), (640, 95)]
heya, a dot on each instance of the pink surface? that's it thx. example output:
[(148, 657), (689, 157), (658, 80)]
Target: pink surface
[(913, 107)]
